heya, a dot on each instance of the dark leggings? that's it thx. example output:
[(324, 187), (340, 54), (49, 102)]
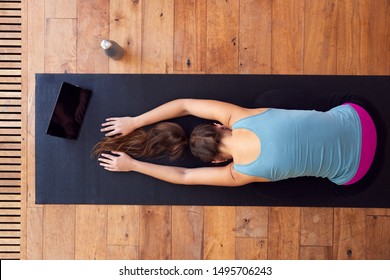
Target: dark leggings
[(324, 101)]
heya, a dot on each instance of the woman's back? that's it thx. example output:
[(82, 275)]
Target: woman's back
[(305, 143)]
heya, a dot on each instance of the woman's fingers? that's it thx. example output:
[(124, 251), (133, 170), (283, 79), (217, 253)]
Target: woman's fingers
[(107, 156), (108, 167), (108, 123), (106, 129), (104, 161), (113, 133), (112, 119)]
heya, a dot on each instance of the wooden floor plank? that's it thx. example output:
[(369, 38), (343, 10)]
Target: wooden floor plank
[(92, 27), (378, 38), (350, 227), (59, 232), (190, 36), (61, 8), (287, 36), (252, 222), (122, 252), (352, 36), (126, 30), (187, 229), (36, 64), (378, 238), (219, 235), (157, 34), (91, 232), (378, 212), (255, 36), (123, 225), (316, 226), (251, 249), (320, 38), (315, 253), (222, 36), (60, 46), (155, 233), (34, 235), (283, 235)]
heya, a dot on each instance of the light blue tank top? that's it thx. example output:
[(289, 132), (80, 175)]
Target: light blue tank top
[(297, 143)]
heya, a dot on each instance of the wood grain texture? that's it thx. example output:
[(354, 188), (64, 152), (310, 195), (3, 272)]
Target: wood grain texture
[(92, 27), (378, 238), (219, 235), (350, 227), (122, 252), (352, 36), (283, 235), (155, 233), (251, 249), (60, 46), (157, 43), (123, 225), (36, 64), (61, 8), (255, 36), (316, 226), (379, 38), (34, 233), (320, 38), (91, 232), (378, 212), (315, 253), (222, 36), (252, 222), (187, 232), (287, 36), (190, 35), (126, 30), (59, 232)]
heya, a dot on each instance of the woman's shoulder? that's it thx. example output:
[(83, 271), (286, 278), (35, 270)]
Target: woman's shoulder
[(243, 179), (245, 113)]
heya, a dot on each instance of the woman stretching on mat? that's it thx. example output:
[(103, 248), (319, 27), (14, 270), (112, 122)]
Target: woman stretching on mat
[(263, 144)]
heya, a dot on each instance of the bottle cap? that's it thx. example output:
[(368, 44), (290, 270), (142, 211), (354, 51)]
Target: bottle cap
[(105, 44)]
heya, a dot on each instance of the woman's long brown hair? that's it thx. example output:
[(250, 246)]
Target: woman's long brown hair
[(205, 142), (163, 139)]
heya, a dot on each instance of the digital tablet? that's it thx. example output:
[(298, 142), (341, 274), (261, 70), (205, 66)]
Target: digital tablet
[(69, 111)]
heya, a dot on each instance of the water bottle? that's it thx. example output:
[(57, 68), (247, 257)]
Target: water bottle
[(112, 49)]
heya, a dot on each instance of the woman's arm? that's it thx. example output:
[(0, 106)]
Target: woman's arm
[(202, 108), (223, 112), (214, 176)]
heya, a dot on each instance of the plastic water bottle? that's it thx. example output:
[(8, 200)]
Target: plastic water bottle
[(112, 49)]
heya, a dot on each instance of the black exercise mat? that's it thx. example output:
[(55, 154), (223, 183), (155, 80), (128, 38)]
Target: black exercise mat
[(65, 173)]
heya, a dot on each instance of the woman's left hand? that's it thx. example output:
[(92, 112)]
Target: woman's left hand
[(119, 162)]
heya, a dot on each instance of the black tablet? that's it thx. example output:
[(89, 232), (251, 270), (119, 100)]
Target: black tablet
[(69, 111)]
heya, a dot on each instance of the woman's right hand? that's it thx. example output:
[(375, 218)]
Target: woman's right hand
[(118, 126)]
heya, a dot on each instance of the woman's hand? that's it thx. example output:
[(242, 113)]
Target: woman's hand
[(119, 126), (121, 162)]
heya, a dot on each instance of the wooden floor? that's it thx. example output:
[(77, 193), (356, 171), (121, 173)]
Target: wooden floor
[(218, 36)]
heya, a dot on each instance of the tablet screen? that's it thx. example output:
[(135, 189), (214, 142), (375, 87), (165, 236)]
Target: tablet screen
[(69, 111)]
